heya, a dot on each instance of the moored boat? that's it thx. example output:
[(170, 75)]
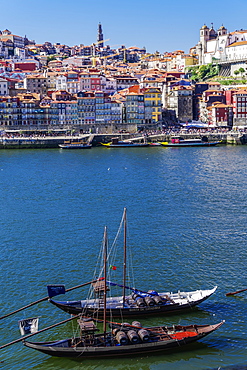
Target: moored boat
[(138, 302), (123, 340), (77, 144), (116, 143), (181, 142)]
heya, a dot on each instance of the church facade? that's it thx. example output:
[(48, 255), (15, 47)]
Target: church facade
[(221, 45)]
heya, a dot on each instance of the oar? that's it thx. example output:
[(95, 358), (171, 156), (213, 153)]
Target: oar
[(44, 299), (39, 331), (238, 291)]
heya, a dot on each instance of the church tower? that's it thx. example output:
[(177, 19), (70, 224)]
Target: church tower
[(222, 31), (100, 36), (202, 45), (204, 37)]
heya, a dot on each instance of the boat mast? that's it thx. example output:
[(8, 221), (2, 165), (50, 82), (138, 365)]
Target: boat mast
[(125, 247), (105, 273)]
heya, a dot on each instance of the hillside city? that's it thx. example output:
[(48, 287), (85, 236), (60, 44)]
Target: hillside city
[(100, 89)]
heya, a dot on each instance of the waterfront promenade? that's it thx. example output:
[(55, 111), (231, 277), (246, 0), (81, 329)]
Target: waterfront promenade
[(17, 141)]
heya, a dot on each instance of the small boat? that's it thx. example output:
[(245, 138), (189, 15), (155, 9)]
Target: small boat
[(138, 303), (75, 144), (123, 340), (116, 143), (154, 144), (181, 142)]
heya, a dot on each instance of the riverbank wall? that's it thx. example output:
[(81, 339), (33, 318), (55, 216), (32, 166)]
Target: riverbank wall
[(53, 142)]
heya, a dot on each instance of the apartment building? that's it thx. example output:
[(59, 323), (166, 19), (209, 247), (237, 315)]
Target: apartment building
[(123, 82), (152, 103), (29, 108), (18, 41), (61, 82), (240, 108), (35, 84), (135, 109), (220, 115), (86, 108), (4, 90), (10, 114)]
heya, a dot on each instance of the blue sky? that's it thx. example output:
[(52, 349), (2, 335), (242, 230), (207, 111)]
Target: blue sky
[(155, 24)]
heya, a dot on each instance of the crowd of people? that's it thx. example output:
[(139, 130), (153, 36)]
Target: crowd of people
[(8, 134)]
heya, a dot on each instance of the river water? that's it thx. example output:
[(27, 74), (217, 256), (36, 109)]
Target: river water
[(186, 210)]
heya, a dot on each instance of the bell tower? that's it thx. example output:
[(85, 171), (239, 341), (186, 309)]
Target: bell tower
[(100, 37), (204, 37)]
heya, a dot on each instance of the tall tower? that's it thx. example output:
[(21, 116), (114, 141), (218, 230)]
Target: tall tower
[(204, 37), (100, 36)]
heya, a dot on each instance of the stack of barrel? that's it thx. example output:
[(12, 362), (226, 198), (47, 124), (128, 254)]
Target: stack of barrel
[(151, 299), (133, 333)]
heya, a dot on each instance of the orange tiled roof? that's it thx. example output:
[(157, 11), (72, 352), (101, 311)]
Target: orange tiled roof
[(238, 43), (237, 32), (240, 92), (219, 105)]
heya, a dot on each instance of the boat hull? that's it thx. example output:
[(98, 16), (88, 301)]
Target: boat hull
[(161, 342), (200, 144), (79, 146), (114, 307), (127, 145)]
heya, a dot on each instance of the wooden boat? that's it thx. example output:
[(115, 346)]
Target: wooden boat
[(137, 303), (123, 340), (116, 143), (144, 304), (77, 144), (181, 142)]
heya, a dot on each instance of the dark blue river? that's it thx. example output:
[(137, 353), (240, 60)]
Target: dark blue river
[(186, 210)]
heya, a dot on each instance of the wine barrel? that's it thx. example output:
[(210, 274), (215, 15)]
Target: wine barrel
[(137, 323), (121, 337), (135, 295), (133, 336), (115, 331), (149, 301), (158, 300), (144, 335), (140, 302)]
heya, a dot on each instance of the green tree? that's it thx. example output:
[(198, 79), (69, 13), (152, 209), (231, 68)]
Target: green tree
[(241, 70), (236, 72), (51, 57)]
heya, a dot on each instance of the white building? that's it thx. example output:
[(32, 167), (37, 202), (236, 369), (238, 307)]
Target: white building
[(73, 86), (18, 41), (109, 84), (61, 83), (4, 90), (221, 45)]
